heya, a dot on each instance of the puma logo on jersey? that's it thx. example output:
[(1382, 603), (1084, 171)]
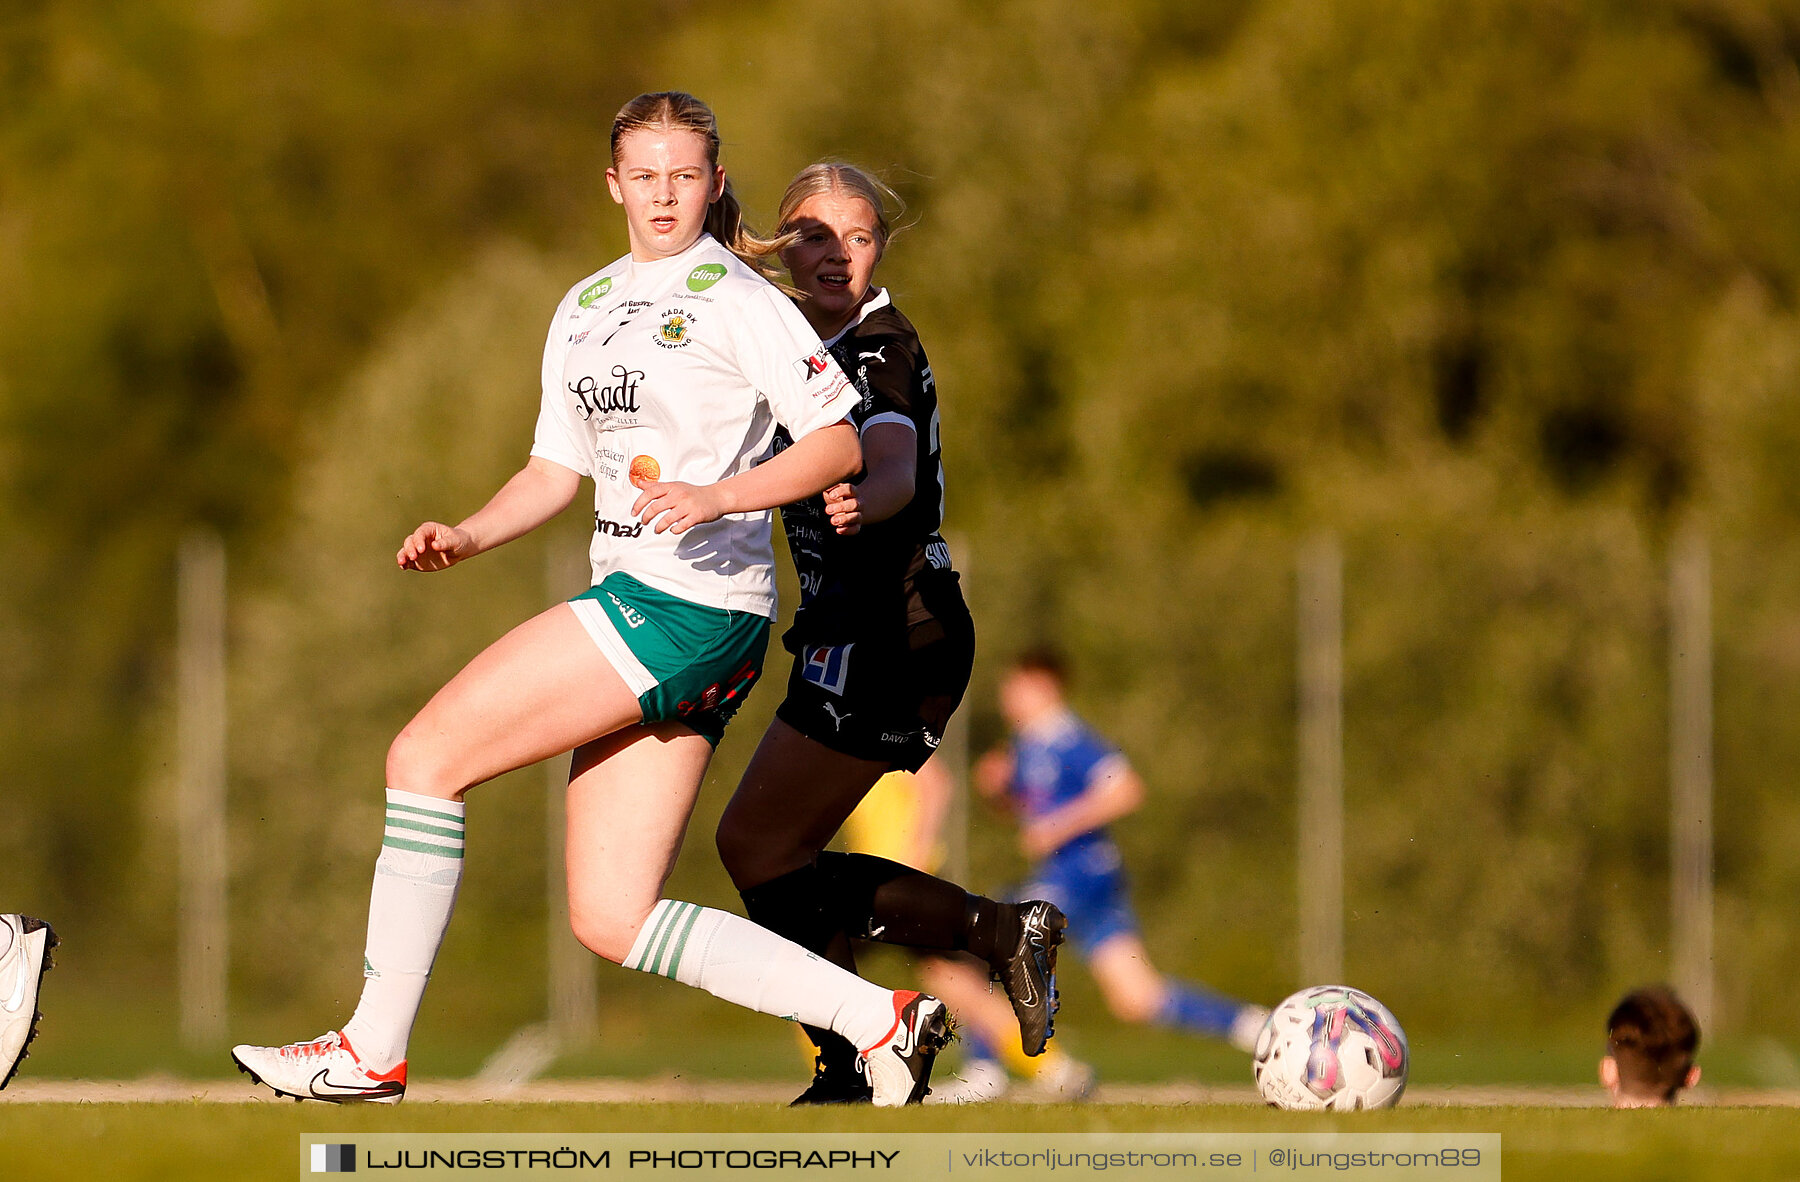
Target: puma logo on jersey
[(837, 720), (877, 355)]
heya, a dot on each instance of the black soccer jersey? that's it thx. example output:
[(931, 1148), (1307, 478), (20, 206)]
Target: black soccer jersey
[(880, 581)]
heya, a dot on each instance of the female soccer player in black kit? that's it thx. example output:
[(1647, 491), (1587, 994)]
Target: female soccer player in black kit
[(882, 645)]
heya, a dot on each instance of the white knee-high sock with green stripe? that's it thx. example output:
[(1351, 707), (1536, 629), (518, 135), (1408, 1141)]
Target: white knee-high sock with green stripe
[(739, 961), (409, 910)]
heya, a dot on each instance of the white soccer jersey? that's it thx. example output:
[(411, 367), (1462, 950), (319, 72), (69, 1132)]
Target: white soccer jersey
[(680, 369)]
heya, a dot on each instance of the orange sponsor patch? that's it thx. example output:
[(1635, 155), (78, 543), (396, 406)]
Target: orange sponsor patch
[(645, 469)]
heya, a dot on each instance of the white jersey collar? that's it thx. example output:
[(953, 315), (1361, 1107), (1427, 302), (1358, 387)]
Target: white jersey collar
[(879, 300)]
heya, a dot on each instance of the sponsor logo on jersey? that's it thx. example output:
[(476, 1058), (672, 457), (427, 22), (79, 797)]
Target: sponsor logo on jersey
[(814, 364), (877, 355), (594, 291), (937, 554), (609, 463), (837, 720), (631, 309), (826, 666), (676, 330), (705, 275), (617, 529), (644, 470), (579, 337), (592, 398)]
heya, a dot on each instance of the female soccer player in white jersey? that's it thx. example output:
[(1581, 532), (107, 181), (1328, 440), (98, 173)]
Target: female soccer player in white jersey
[(882, 644), (664, 378)]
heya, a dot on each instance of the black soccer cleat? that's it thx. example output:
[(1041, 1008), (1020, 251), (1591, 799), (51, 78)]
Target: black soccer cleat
[(1029, 974), (835, 1083)]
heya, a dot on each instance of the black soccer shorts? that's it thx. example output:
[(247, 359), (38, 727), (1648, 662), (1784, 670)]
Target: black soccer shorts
[(888, 703)]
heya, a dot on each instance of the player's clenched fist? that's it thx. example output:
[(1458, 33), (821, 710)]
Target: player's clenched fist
[(844, 508), (435, 546)]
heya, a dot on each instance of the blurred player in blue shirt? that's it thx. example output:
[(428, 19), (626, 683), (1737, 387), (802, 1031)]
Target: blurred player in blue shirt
[(1066, 784)]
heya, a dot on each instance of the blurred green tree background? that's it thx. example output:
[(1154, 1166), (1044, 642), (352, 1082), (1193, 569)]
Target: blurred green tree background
[(1503, 293)]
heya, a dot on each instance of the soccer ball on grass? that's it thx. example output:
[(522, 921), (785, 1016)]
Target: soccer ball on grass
[(1331, 1047)]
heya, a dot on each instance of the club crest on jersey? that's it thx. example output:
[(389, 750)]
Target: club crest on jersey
[(827, 666), (676, 329)]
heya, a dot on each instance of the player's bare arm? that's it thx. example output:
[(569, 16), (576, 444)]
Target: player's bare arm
[(1113, 791), (536, 493), (813, 463), (890, 459)]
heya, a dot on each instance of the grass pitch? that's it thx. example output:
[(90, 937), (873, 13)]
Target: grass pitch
[(49, 1142)]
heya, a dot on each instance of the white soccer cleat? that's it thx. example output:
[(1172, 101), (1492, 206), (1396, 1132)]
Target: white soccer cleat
[(1246, 1027), (324, 1069), (979, 1082), (899, 1066), (25, 945)]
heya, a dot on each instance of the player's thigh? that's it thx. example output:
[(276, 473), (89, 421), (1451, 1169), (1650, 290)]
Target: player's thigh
[(1121, 965), (794, 796), (542, 689), (630, 796)]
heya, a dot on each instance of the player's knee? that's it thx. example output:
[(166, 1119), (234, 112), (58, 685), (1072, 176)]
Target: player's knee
[(738, 850), (603, 931), (418, 764)]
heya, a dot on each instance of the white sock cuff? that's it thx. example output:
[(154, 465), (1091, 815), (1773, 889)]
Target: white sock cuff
[(675, 935), (423, 825)]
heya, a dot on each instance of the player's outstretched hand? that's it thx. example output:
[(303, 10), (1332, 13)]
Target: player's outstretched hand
[(843, 508), (678, 506), (435, 546)]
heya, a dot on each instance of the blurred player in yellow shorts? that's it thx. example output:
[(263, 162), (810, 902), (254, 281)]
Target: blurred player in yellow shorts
[(902, 818)]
